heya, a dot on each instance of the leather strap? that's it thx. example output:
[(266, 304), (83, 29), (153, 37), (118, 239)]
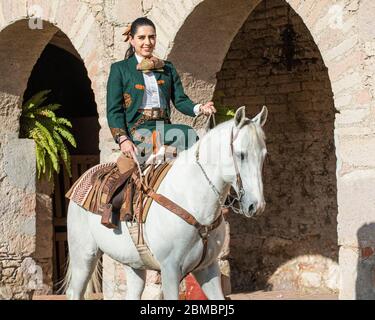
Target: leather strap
[(176, 209), (238, 176), (203, 230), (155, 183), (126, 210)]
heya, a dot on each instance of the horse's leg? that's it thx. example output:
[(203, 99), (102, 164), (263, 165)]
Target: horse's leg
[(170, 281), (135, 282), (82, 267), (210, 281), (83, 252)]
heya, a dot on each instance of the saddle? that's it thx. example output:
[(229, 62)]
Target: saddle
[(131, 203), (115, 192)]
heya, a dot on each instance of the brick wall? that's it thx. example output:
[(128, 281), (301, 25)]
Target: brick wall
[(299, 176)]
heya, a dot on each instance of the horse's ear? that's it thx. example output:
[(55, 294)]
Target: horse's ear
[(261, 117), (239, 116)]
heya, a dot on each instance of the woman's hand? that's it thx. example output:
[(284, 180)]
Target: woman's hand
[(128, 147), (207, 108)]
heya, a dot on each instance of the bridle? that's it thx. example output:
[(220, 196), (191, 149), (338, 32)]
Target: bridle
[(241, 190)]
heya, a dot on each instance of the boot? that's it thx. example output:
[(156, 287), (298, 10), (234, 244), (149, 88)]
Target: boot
[(111, 212)]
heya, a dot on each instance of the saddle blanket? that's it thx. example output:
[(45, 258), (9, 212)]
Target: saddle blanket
[(98, 184), (80, 190)]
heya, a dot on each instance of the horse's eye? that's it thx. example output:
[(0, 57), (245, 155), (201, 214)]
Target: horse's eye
[(242, 156)]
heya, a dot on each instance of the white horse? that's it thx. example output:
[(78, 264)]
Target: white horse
[(175, 244)]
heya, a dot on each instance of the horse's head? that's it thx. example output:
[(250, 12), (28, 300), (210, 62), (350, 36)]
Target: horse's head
[(246, 156)]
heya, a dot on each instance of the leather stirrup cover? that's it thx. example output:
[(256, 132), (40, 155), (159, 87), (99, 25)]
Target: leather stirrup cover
[(108, 217), (127, 205)]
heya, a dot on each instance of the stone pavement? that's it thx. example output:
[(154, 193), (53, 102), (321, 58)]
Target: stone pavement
[(256, 295), (282, 295)]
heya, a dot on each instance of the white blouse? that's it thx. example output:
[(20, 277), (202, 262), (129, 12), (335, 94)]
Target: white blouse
[(151, 97)]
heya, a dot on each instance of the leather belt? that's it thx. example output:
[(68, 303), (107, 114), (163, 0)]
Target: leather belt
[(153, 113), (150, 114)]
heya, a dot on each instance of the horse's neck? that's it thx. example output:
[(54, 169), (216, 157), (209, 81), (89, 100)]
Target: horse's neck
[(195, 193)]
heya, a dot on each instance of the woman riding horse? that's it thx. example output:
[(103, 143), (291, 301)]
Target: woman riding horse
[(139, 91)]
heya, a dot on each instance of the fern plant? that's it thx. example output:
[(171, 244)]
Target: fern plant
[(40, 123)]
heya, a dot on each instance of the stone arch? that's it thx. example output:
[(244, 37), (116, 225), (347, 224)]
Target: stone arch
[(285, 71), (209, 22), (215, 23), (202, 33), (84, 33), (21, 43)]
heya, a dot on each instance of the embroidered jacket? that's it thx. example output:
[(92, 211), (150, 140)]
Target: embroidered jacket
[(125, 90)]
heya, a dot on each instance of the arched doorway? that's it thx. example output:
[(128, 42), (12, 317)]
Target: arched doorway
[(27, 231), (61, 70), (274, 61), (252, 57)]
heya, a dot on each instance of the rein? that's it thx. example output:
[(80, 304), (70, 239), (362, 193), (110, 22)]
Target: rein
[(239, 183)]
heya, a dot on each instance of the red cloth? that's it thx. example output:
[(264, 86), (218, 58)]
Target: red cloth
[(193, 289)]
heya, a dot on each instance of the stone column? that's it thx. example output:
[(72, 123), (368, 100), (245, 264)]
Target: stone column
[(21, 274)]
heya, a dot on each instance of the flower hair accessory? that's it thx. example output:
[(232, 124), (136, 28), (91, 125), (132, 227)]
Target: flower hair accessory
[(127, 32)]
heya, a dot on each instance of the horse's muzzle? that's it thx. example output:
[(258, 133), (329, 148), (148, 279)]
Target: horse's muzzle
[(255, 209)]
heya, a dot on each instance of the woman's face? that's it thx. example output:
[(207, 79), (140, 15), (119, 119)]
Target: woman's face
[(144, 41)]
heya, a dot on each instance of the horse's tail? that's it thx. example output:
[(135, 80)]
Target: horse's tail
[(63, 284), (93, 286)]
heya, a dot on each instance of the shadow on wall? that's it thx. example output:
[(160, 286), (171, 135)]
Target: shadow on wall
[(365, 283)]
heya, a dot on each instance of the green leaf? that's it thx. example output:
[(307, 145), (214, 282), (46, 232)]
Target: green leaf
[(36, 100), (40, 159), (43, 141), (46, 113), (47, 135), (67, 135), (64, 122), (40, 123), (53, 107), (63, 151)]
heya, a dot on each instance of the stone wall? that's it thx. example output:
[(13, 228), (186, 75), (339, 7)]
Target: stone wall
[(299, 173), (26, 246), (343, 33), (354, 76), (25, 240), (26, 234)]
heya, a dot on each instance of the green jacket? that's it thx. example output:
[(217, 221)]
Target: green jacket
[(125, 89)]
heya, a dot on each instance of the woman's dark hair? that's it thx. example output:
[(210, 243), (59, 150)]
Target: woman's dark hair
[(139, 22)]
